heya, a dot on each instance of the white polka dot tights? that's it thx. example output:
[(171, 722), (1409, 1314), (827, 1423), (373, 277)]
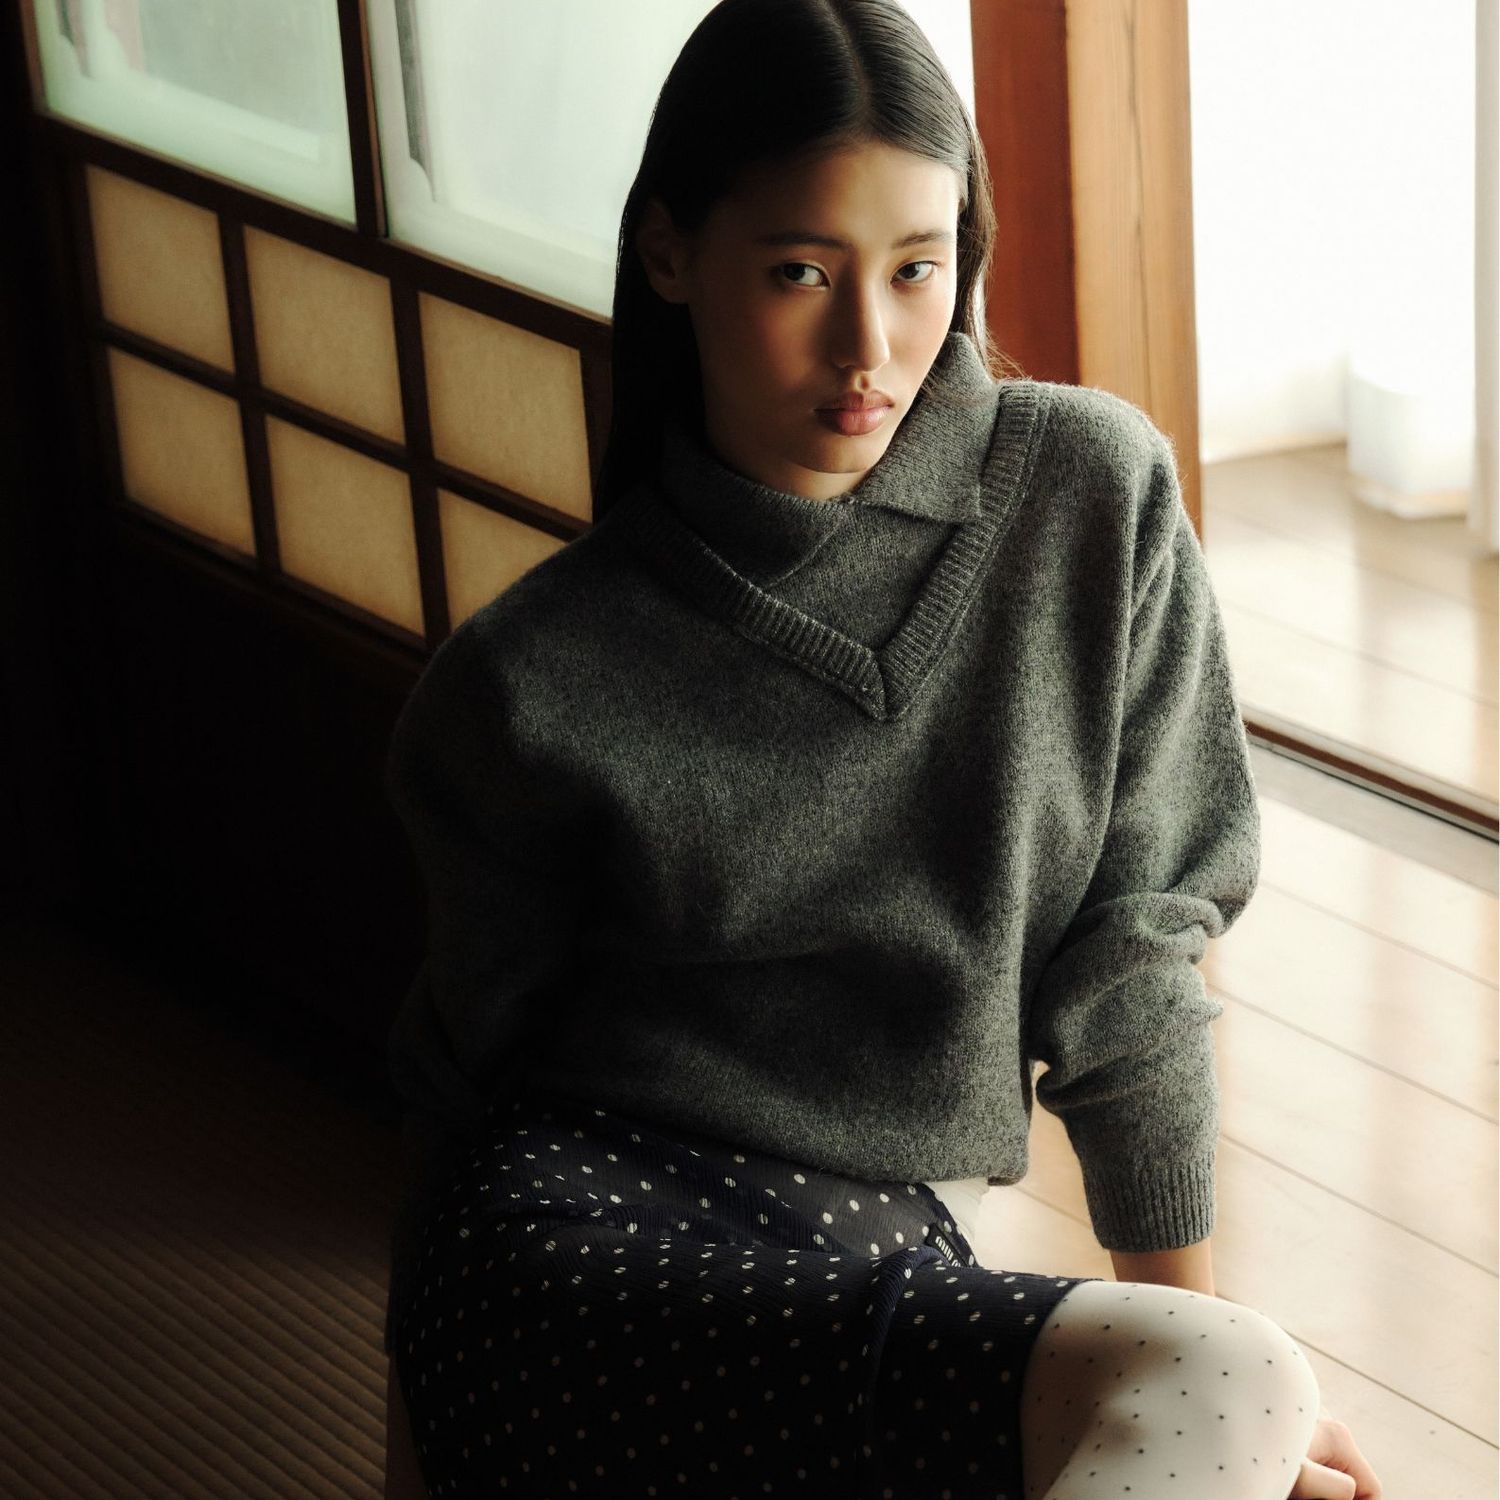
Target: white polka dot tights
[(1135, 1391)]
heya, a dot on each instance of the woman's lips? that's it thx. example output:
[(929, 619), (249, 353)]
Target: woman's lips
[(852, 423)]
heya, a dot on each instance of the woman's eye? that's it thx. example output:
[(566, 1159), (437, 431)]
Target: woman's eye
[(801, 265), (928, 277), (798, 265)]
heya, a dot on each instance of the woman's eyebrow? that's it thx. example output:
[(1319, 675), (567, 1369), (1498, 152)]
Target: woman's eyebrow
[(807, 237)]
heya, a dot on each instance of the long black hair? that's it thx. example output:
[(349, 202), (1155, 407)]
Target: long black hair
[(763, 81)]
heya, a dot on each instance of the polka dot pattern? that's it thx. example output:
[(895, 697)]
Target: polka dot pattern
[(599, 1308), (1145, 1390)]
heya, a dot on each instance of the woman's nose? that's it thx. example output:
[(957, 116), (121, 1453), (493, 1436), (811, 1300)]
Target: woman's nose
[(859, 340)]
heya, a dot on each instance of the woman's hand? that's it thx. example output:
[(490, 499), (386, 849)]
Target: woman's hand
[(1334, 1468)]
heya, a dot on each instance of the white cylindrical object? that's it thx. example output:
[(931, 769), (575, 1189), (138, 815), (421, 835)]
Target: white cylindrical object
[(1416, 441)]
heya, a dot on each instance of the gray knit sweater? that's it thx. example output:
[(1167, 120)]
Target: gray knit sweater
[(810, 824)]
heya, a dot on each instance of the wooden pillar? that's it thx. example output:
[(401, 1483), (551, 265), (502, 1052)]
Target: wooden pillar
[(1083, 108)]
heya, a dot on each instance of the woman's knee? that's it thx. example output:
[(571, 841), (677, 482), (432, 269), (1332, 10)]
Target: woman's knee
[(1249, 1376), (1118, 1357)]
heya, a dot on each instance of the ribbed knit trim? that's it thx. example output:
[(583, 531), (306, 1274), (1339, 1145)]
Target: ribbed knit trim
[(883, 682), (1164, 1208)]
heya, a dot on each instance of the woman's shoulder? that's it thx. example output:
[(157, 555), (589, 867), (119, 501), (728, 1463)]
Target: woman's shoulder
[(1098, 427), (1104, 468)]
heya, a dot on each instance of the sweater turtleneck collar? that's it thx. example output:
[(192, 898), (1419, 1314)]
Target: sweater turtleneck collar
[(930, 470)]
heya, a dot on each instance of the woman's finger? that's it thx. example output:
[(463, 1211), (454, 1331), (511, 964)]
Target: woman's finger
[(1346, 1458), (1317, 1482)]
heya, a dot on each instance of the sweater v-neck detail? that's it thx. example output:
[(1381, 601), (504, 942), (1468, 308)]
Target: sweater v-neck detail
[(921, 473)]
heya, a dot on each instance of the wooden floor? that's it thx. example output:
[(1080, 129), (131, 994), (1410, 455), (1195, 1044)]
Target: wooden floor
[(1358, 627)]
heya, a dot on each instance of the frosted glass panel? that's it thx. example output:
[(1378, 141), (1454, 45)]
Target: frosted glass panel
[(485, 552), (344, 523), (253, 92), (161, 272), (511, 131), (323, 333), (489, 114), (181, 450), (507, 405)]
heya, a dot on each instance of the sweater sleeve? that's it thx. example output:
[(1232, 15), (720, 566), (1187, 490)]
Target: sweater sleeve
[(1121, 1014), (499, 848)]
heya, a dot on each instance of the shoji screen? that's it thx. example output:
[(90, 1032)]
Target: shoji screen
[(360, 424)]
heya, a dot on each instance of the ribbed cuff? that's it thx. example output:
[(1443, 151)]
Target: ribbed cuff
[(1160, 1207)]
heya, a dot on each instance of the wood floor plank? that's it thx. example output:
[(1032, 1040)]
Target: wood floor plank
[(1374, 617), (1375, 1140), (1374, 998), (1365, 630), (1401, 899), (1306, 497), (1440, 732)]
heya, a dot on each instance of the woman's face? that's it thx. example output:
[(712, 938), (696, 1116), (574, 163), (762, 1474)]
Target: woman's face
[(787, 321)]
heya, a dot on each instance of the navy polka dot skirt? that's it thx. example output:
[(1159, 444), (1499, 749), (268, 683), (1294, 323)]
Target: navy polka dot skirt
[(599, 1307)]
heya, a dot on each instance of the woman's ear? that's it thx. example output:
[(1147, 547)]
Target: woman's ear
[(663, 252)]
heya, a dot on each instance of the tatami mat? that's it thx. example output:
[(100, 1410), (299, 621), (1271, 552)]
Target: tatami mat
[(192, 1244)]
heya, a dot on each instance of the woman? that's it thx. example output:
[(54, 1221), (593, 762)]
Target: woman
[(877, 740)]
